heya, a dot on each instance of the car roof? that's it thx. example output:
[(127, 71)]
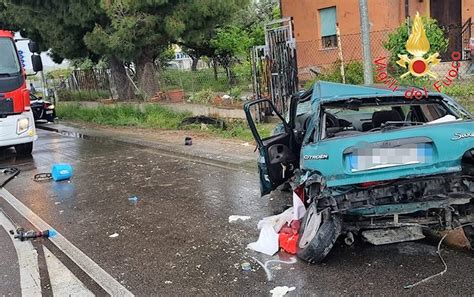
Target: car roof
[(330, 91)]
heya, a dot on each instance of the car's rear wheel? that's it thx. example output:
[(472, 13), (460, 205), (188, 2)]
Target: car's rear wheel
[(318, 233), (24, 149)]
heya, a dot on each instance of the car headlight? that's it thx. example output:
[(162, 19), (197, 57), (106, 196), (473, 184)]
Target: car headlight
[(22, 125)]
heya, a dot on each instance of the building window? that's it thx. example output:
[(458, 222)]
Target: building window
[(327, 18)]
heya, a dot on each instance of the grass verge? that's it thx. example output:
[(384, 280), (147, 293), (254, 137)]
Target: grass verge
[(153, 117)]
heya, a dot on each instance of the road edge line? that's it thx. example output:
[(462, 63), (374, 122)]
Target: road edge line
[(99, 275)]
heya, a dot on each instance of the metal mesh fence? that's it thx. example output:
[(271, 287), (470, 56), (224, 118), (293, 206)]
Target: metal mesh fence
[(233, 80), (322, 59), (316, 60)]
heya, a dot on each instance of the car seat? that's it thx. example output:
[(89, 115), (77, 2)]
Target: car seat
[(381, 117)]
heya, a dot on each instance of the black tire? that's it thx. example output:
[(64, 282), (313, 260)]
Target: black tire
[(314, 248), (24, 149)]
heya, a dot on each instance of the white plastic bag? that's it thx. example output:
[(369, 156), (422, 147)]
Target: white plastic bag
[(267, 242), (277, 221), (299, 208)]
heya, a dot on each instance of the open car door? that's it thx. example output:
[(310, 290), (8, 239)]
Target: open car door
[(278, 156)]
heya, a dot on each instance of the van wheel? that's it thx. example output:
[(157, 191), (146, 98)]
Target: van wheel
[(317, 235), (24, 149)]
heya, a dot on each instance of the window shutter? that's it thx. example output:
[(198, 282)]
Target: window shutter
[(328, 21)]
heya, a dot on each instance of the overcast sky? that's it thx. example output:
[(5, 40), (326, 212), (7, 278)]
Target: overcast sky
[(47, 62)]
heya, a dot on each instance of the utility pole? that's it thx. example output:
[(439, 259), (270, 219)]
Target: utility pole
[(365, 30)]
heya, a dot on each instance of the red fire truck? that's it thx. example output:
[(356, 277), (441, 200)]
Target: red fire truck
[(17, 127)]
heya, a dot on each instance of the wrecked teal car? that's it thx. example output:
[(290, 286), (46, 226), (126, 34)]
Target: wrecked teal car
[(369, 163)]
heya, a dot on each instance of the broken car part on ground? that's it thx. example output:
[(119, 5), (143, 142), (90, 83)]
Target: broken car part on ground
[(371, 163)]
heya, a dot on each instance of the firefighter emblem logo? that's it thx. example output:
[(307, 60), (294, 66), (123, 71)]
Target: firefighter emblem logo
[(418, 46)]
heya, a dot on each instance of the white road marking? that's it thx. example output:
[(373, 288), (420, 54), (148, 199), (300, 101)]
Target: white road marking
[(99, 275), (27, 260), (63, 281)]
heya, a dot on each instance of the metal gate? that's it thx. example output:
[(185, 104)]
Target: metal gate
[(274, 67)]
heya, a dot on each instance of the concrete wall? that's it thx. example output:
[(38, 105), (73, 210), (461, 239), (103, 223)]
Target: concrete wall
[(467, 10)]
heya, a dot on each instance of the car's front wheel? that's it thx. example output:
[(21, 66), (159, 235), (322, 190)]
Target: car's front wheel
[(318, 233), (24, 149)]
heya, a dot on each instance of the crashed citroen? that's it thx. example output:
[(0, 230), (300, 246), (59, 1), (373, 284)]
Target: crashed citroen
[(369, 163)]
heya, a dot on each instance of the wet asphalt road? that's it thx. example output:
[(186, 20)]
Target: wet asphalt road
[(177, 240)]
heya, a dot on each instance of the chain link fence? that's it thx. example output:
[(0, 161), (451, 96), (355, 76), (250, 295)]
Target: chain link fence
[(323, 59), (233, 79)]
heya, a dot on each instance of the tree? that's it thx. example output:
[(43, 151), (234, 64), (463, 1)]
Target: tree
[(139, 31), (231, 45), (62, 31), (202, 19)]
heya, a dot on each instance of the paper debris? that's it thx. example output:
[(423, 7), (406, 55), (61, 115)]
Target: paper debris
[(281, 291), (234, 218)]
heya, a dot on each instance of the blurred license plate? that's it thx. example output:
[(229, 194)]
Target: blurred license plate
[(375, 158), (49, 112)]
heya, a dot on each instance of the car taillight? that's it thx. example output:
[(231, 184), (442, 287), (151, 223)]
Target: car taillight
[(26, 100)]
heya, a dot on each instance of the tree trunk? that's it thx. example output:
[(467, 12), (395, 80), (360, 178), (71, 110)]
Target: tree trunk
[(195, 63), (120, 81), (146, 75), (214, 65)]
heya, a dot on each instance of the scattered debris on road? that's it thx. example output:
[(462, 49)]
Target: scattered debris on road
[(59, 172), (12, 172), (133, 200), (113, 235), (246, 266), (23, 235), (281, 291), (234, 218), (188, 141)]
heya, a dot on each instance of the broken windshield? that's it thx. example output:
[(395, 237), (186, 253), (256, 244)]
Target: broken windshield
[(344, 119), (9, 63)]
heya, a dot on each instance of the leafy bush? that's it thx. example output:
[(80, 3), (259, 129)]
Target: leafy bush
[(354, 72), (204, 96), (58, 73), (235, 92)]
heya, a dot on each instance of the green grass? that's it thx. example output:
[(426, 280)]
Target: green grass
[(153, 117), (467, 102)]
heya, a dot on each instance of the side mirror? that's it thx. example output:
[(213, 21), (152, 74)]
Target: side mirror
[(37, 63), (34, 47)]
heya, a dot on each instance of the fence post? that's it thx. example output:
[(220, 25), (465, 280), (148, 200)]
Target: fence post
[(341, 56)]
